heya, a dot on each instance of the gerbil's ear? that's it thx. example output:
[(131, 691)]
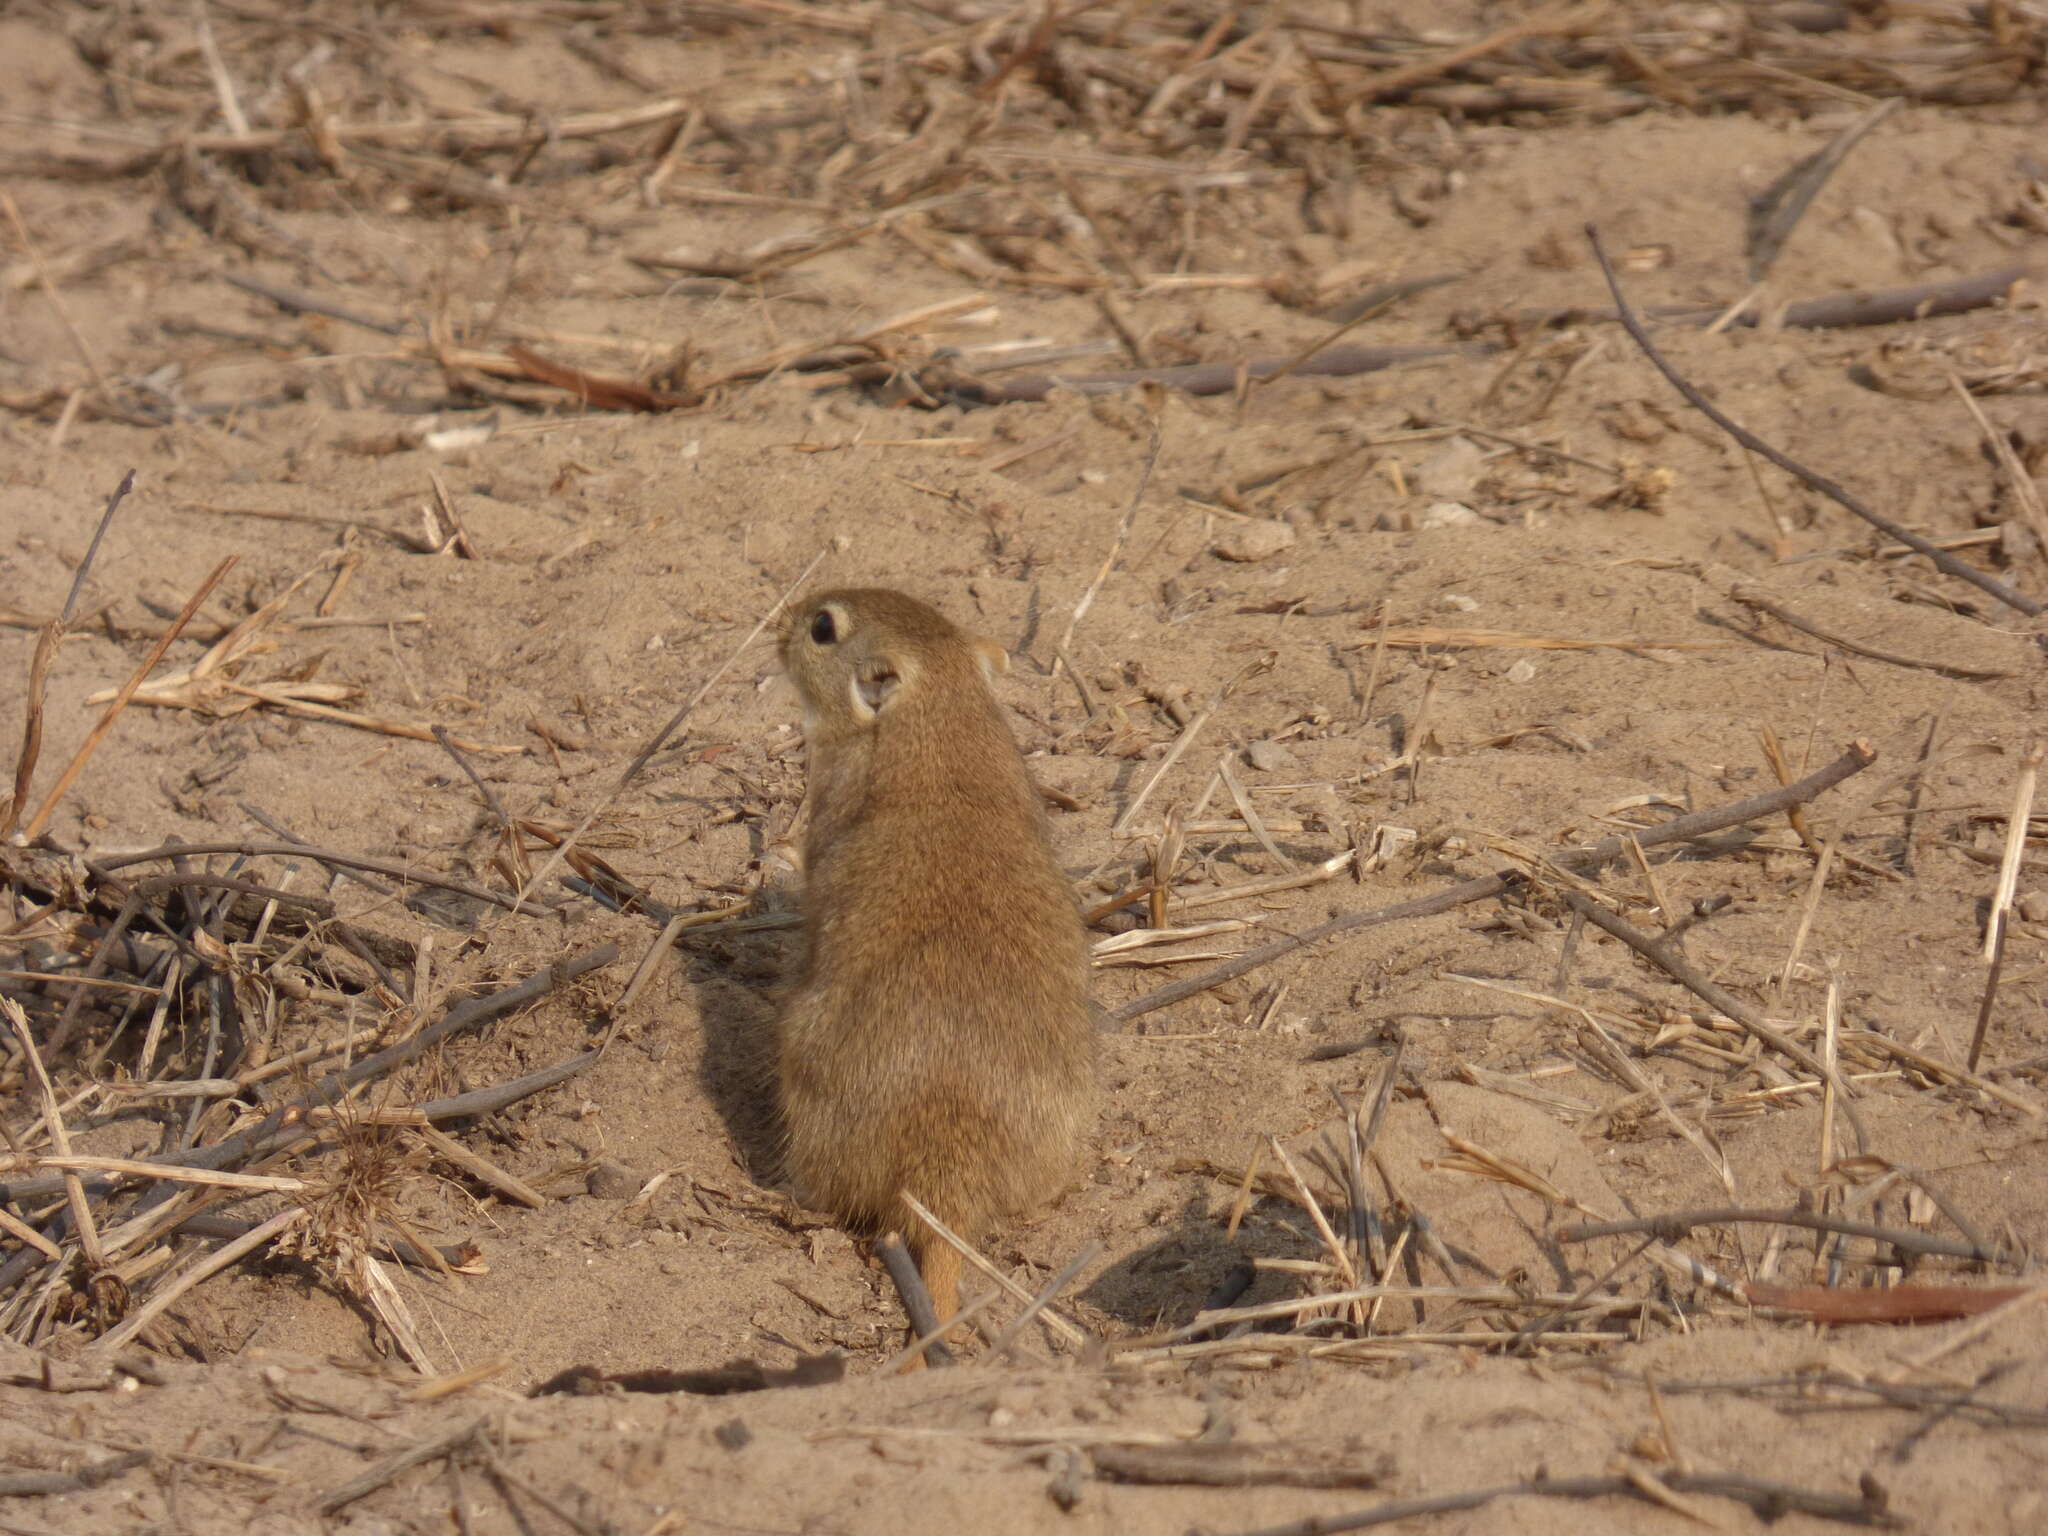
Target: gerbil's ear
[(871, 687), (995, 661)]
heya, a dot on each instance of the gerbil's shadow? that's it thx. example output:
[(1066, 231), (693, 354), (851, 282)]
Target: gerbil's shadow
[(1194, 1266), (733, 978)]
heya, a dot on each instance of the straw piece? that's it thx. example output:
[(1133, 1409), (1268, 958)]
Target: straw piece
[(114, 1338), (53, 1118), (91, 744)]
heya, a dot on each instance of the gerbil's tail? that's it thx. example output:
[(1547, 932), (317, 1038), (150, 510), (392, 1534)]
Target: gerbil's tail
[(938, 1263)]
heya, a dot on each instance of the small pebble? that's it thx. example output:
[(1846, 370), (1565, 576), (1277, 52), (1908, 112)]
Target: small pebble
[(1452, 472), (1270, 757), (1449, 514), (614, 1181), (1256, 538)]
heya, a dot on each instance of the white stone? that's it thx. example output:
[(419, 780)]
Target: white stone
[(1449, 514), (1255, 538)]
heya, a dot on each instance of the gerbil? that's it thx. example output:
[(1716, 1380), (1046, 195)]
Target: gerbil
[(937, 1038)]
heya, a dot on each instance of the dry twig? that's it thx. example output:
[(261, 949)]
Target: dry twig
[(1766, 1498), (1580, 861), (1943, 560)]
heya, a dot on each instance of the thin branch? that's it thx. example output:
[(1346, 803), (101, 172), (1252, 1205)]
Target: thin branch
[(1193, 378), (344, 1494), (53, 1117), (257, 850), (1675, 1224), (2008, 885), (1058, 1324), (1755, 597), (99, 731), (129, 1326), (1699, 823), (287, 1123), (92, 550), (19, 1485), (1768, 1499), (1004, 1341), (1721, 999), (1776, 212), (1943, 560)]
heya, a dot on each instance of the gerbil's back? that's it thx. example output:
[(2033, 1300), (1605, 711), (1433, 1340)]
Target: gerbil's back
[(927, 861), (938, 1037)]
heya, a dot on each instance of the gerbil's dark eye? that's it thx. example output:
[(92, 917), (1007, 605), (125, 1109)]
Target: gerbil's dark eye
[(823, 630)]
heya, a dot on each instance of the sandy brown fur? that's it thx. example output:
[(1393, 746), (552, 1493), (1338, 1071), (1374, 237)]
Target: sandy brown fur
[(937, 1038)]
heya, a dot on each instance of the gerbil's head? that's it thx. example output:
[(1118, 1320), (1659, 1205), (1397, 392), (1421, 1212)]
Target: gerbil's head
[(856, 653)]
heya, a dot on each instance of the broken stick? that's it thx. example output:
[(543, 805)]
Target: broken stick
[(1858, 757)]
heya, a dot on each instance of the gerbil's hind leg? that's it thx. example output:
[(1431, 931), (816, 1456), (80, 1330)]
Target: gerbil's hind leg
[(918, 1301)]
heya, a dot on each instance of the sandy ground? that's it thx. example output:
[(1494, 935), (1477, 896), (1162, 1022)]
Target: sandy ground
[(1542, 485)]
